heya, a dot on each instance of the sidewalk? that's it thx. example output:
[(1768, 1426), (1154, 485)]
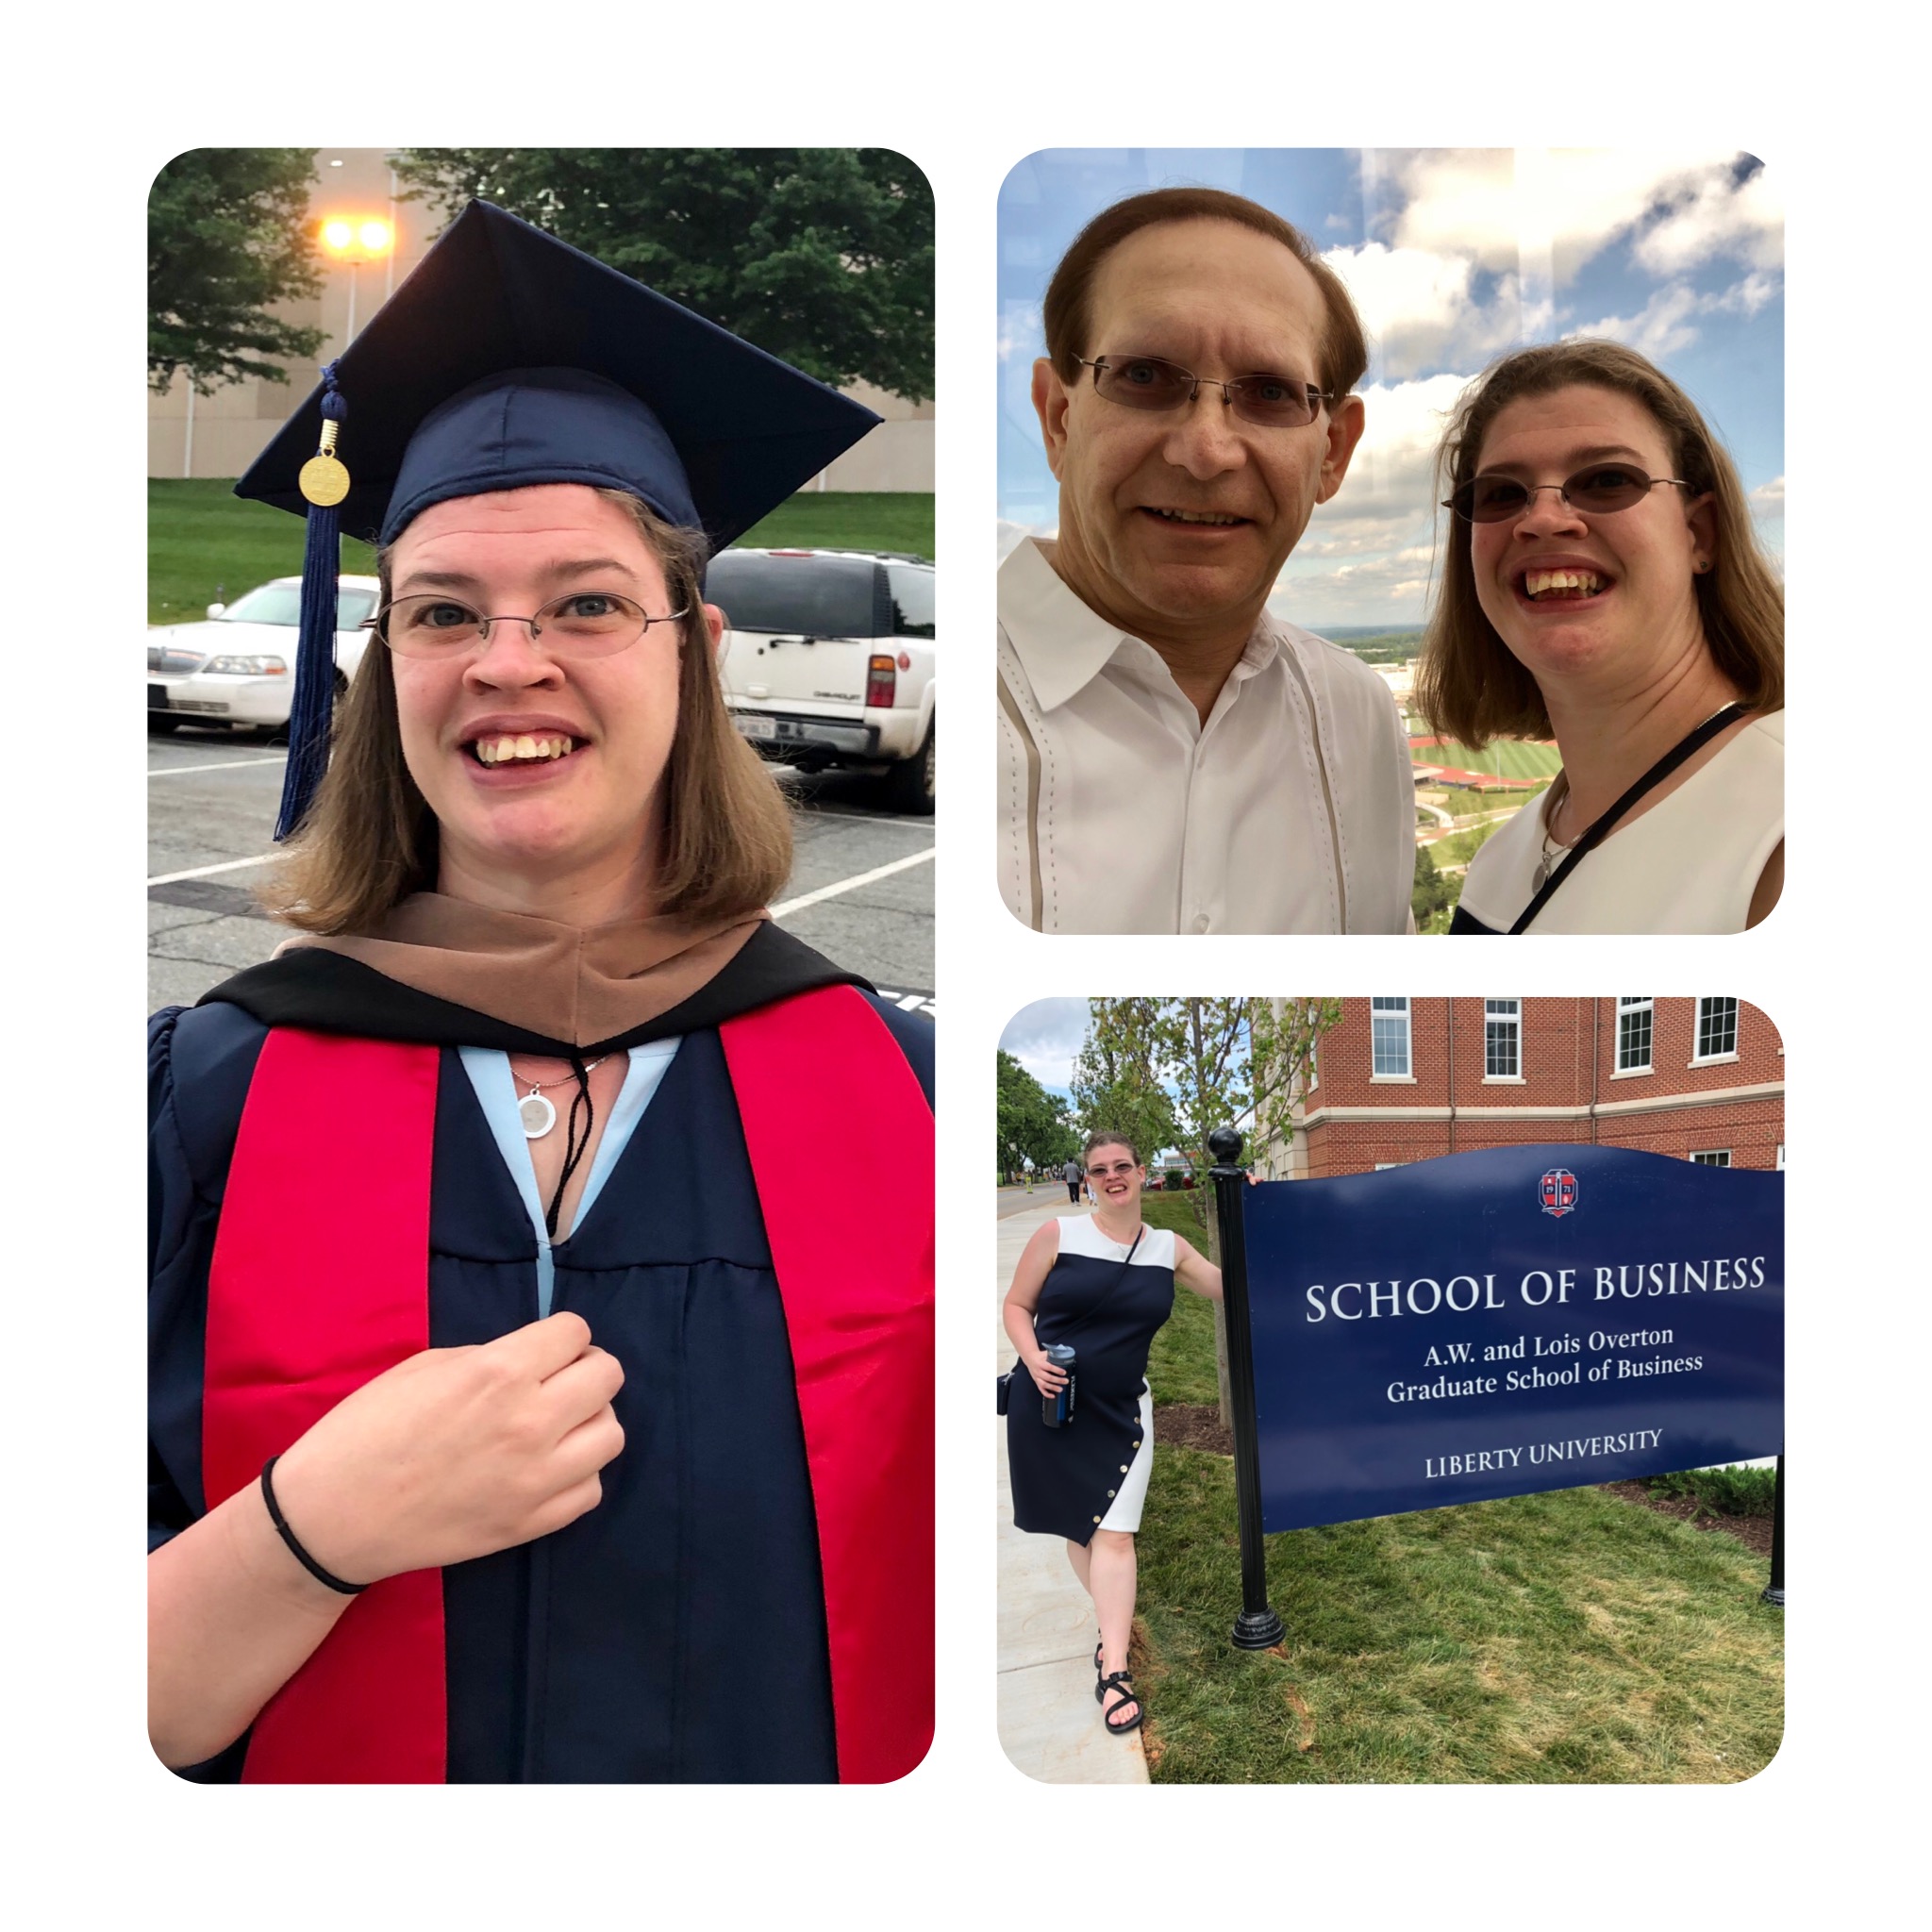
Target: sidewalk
[(1049, 1724)]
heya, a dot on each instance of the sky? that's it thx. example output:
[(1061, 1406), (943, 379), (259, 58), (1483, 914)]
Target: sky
[(1453, 257), (1044, 1038)]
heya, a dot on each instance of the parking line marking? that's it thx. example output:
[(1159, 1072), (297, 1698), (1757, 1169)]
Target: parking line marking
[(226, 765), (202, 872), (858, 879)]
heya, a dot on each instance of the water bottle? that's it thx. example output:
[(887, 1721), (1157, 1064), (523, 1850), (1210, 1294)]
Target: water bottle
[(1058, 1408)]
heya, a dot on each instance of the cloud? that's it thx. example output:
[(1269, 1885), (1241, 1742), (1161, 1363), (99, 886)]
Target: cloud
[(1712, 216), (1388, 496), (1045, 1036), (1420, 307), (1023, 332), (1665, 325), (1512, 206), (1768, 499), (1660, 328)]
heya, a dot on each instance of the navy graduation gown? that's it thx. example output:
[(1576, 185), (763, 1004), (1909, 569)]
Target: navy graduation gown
[(676, 1632)]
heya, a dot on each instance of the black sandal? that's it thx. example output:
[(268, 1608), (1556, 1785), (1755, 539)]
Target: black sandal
[(1121, 1685)]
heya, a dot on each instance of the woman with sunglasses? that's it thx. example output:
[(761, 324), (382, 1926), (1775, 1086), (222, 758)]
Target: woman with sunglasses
[(1604, 586), (1102, 1285), (523, 1406)]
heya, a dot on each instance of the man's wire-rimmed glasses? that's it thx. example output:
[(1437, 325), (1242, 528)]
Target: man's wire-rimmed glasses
[(580, 623), (1150, 382)]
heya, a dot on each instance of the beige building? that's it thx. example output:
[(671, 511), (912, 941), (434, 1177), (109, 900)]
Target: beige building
[(222, 434)]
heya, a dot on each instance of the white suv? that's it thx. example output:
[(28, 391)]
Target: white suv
[(828, 660)]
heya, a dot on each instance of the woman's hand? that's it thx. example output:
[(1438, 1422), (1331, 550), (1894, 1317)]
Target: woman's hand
[(1048, 1377), (456, 1452)]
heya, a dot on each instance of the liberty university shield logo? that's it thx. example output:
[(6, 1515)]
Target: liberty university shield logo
[(1559, 1191)]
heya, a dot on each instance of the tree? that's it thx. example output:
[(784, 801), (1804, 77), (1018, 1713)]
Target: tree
[(226, 240), (1033, 1125), (823, 256), (1434, 896), (1226, 1062), (1115, 1092)]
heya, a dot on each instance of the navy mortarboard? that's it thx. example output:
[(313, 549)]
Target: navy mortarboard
[(508, 358)]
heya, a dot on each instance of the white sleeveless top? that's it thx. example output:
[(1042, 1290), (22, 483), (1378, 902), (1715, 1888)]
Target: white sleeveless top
[(1081, 1234), (1689, 864)]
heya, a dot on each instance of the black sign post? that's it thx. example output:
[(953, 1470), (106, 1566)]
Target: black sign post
[(1775, 1590), (1258, 1628)]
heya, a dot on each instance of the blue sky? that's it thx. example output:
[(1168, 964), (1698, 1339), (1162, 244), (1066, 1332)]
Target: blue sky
[(1453, 257)]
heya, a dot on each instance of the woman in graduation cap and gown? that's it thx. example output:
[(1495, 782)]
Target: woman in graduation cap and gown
[(530, 1399)]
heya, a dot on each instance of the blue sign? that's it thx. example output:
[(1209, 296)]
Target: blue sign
[(1519, 1319)]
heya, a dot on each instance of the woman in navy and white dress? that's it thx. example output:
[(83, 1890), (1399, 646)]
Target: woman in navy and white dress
[(1103, 1284)]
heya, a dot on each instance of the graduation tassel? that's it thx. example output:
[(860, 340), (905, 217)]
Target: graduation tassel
[(323, 483)]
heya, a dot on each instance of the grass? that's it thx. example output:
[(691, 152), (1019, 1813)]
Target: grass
[(1564, 1637), (1510, 757), (1555, 1639), (1459, 848), (204, 542), (848, 520), (1180, 1365)]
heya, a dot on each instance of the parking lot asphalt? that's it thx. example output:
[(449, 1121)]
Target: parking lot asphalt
[(860, 890)]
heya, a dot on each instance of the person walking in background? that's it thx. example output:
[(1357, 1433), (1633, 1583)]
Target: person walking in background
[(1074, 1175)]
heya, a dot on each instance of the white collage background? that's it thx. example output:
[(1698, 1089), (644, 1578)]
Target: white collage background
[(105, 1835)]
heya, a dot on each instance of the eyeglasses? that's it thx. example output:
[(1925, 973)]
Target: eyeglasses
[(1146, 382), (1118, 1170), (1599, 490), (580, 623)]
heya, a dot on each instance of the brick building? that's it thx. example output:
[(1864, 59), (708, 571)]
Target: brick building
[(1405, 1078)]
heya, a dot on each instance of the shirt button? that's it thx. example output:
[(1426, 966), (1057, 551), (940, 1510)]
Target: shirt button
[(1109, 1492), (1124, 1468), (1096, 1519), (1200, 921)]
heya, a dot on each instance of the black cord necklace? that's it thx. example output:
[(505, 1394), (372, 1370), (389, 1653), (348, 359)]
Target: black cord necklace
[(574, 1148)]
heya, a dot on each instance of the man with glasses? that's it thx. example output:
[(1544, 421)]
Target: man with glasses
[(1173, 757)]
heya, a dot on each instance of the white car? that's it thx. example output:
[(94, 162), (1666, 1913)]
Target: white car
[(829, 660), (239, 668)]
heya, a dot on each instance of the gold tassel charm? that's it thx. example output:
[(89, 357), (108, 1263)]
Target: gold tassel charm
[(323, 479)]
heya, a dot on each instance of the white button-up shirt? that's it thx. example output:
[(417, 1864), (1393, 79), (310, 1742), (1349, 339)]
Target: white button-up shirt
[(1290, 809)]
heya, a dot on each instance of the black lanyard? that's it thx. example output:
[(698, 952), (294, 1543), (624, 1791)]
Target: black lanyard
[(1607, 823)]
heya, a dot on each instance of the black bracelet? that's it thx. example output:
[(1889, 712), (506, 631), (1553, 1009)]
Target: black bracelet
[(287, 1536)]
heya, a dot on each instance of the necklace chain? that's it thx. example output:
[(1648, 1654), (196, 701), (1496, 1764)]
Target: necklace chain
[(537, 1086)]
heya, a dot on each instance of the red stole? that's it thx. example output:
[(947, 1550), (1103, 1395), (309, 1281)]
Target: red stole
[(320, 1282)]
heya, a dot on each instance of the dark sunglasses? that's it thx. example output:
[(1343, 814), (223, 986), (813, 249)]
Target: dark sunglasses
[(1146, 382), (1599, 490)]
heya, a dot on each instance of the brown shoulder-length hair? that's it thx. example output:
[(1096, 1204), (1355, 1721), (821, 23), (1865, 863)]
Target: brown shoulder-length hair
[(1469, 685), (1064, 314), (370, 837), (1100, 1138)]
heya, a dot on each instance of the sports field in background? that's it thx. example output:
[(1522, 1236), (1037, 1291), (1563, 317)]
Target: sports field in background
[(205, 545), (1505, 758)]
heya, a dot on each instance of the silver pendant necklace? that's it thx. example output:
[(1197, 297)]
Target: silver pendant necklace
[(538, 1114)]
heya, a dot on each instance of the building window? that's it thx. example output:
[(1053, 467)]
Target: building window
[(1712, 1157), (1633, 1035), (1389, 1031), (1501, 1040), (1717, 1030)]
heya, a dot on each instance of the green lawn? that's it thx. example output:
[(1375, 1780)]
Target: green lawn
[(1556, 1638), (204, 542), (1508, 758), (1564, 1637)]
